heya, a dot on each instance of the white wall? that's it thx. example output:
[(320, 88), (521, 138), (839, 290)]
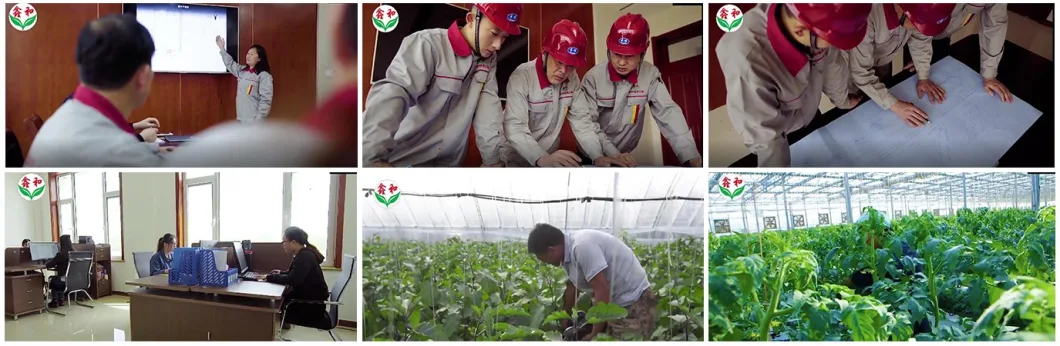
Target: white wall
[(149, 210), (327, 16), (24, 219), (662, 18)]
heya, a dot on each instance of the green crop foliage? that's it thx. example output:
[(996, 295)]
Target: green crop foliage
[(988, 275), (495, 291)]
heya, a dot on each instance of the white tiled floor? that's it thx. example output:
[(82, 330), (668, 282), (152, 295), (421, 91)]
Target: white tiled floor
[(725, 145), (110, 315)]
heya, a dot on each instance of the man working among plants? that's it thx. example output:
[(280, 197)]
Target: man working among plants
[(441, 82), (861, 280), (600, 264)]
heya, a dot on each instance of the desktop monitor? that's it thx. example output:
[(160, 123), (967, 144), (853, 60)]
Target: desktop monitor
[(240, 256), (207, 244), (40, 251)]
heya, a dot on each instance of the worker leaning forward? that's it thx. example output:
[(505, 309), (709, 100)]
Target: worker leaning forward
[(440, 83), (993, 30), (777, 65), (891, 28), (608, 111), (539, 93)]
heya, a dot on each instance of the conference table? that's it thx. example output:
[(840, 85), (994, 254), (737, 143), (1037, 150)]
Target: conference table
[(243, 311)]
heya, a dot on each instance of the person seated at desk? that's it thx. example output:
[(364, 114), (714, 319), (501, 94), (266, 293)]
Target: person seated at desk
[(163, 256), (25, 242), (304, 280), (59, 263)]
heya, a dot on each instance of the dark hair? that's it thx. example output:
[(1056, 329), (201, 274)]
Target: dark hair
[(263, 59), (297, 235), (542, 237), (165, 239), (111, 49), (24, 241), (65, 244)]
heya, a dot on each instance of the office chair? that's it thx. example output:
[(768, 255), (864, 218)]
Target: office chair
[(142, 261), (333, 302), (79, 276)]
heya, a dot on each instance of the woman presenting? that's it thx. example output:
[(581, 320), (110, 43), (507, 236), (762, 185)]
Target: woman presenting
[(254, 91)]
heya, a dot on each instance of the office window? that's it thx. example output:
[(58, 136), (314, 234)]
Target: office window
[(89, 204), (235, 206)]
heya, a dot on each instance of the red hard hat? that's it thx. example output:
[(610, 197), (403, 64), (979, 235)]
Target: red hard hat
[(929, 19), (628, 35), (842, 25), (505, 16), (566, 43)]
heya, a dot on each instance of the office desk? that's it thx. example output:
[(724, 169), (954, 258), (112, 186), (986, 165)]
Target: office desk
[(1027, 75), (25, 290), (24, 268), (245, 311)]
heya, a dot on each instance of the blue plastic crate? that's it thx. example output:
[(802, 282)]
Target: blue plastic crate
[(184, 270), (213, 269)]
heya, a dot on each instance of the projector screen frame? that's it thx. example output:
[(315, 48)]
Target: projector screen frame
[(231, 42), (525, 29)]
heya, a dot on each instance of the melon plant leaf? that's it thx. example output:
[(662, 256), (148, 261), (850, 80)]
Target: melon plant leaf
[(605, 312)]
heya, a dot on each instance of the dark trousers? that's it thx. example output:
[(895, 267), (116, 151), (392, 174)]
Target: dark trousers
[(58, 288), (307, 315)]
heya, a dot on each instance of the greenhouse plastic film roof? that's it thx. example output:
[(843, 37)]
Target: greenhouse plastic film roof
[(674, 205), (806, 199)]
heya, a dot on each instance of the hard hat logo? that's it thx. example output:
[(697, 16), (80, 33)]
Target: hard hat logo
[(729, 18), (512, 17), (572, 51), (623, 41)]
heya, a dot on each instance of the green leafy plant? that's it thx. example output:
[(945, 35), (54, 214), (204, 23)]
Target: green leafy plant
[(987, 275), (456, 290)]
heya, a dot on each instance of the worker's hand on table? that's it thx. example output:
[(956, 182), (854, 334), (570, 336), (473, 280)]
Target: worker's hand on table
[(381, 164), (627, 159), (150, 135), (146, 124), (220, 42), (910, 113), (560, 158), (697, 162), (607, 161), (993, 86), (498, 164), (934, 92)]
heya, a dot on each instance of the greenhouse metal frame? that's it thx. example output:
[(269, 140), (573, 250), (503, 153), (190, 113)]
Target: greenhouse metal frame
[(789, 200), (651, 207)]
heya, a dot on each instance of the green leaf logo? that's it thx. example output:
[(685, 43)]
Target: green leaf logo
[(731, 186), (31, 187), (385, 18), (729, 18), (387, 193), (22, 17)]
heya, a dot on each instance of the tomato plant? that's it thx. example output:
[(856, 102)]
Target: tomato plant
[(977, 275), (455, 290)]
